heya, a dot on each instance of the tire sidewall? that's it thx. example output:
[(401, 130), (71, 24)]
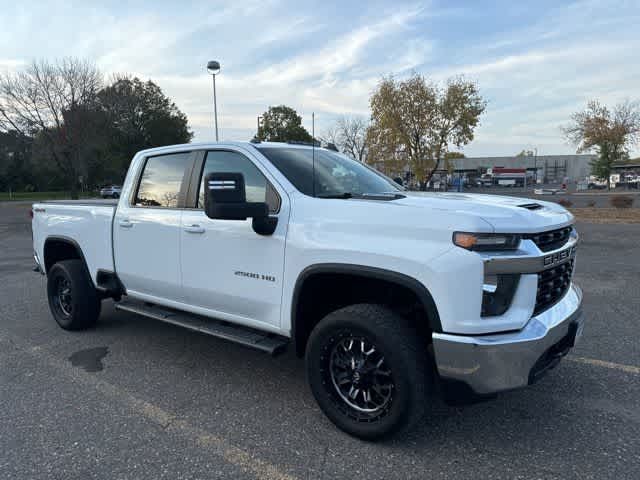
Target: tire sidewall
[(58, 272), (85, 304), (321, 342)]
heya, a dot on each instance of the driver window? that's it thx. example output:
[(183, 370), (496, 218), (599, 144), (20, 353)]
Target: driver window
[(257, 188)]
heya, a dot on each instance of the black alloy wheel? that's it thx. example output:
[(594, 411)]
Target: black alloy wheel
[(368, 370), (73, 300)]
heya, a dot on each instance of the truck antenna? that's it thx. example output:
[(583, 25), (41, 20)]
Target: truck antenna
[(313, 153)]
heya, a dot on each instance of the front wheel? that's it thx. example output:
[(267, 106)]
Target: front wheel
[(73, 300), (368, 370)]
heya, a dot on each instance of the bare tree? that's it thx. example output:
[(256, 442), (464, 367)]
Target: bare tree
[(349, 135), (330, 136), (53, 101), (352, 137)]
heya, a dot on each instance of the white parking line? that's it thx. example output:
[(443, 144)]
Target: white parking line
[(602, 363)]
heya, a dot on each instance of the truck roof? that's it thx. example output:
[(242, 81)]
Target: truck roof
[(204, 145)]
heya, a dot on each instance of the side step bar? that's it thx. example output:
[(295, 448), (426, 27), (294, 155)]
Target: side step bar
[(267, 342)]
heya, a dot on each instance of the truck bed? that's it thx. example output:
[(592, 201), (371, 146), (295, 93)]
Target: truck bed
[(85, 223)]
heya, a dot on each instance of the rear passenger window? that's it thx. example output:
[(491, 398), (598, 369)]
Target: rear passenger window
[(257, 187), (161, 180)]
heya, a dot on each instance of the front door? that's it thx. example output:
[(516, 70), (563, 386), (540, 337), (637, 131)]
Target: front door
[(227, 268), (146, 230)]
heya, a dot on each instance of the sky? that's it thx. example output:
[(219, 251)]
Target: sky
[(534, 62)]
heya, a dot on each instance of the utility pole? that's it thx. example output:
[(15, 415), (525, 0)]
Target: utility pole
[(535, 168), (215, 106)]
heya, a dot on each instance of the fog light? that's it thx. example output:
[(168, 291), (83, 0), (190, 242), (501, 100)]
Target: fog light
[(497, 293), (490, 283)]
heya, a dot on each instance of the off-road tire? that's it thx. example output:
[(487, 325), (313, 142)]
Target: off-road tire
[(405, 355), (80, 308)]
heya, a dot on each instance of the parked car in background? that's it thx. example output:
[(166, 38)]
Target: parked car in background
[(485, 180), (111, 191)]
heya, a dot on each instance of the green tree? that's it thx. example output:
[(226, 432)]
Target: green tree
[(609, 133), (414, 121), (16, 172), (525, 153), (282, 124), (139, 116)]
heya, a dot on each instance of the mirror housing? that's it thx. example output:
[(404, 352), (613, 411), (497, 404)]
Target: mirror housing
[(225, 199)]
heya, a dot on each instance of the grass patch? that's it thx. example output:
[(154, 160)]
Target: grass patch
[(38, 196), (607, 215)]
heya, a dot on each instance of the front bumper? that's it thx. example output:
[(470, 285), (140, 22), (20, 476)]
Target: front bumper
[(498, 362)]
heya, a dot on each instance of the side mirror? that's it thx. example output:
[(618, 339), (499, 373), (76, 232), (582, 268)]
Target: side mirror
[(225, 199)]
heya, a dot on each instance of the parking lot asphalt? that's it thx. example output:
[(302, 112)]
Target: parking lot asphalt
[(133, 398)]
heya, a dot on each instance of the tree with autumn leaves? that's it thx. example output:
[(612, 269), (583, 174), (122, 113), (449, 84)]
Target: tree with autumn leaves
[(415, 121), (610, 133)]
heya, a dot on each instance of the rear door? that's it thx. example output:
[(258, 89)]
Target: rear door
[(146, 230), (227, 268)]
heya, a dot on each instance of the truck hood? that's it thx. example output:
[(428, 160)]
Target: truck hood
[(504, 214)]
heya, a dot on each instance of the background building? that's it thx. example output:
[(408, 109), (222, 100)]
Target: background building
[(550, 168)]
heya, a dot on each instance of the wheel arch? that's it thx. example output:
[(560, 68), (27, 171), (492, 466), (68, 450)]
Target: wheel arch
[(301, 328), (57, 248)]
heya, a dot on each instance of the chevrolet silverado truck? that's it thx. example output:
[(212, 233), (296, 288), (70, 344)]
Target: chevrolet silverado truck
[(389, 295)]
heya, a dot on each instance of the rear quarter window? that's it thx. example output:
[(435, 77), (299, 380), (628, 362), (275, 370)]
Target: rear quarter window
[(161, 181)]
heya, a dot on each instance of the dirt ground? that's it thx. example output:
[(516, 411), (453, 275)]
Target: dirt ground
[(607, 215)]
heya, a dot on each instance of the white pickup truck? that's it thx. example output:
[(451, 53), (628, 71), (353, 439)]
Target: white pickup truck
[(386, 293)]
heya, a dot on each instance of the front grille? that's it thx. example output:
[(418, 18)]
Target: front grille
[(550, 240), (552, 285)]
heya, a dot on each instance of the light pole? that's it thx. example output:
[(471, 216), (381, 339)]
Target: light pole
[(213, 67), (535, 169)]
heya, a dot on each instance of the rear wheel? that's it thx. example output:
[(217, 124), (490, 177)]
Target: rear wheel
[(368, 371), (73, 300)]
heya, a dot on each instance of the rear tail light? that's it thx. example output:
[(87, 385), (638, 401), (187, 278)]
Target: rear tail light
[(31, 213)]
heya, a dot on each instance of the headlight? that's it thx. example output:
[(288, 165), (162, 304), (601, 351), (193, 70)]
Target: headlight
[(486, 241)]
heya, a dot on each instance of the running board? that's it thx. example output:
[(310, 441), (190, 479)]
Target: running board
[(267, 342)]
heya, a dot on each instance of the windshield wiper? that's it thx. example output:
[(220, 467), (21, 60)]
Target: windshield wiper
[(336, 195), (366, 196)]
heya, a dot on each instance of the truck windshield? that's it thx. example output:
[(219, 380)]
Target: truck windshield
[(336, 176)]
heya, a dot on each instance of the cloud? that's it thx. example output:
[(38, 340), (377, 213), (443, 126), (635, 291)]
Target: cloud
[(338, 56), (534, 64)]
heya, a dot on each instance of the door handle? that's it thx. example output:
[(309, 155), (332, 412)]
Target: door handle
[(194, 229), (125, 223)]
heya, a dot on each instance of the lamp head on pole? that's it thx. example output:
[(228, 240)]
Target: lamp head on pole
[(213, 67)]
